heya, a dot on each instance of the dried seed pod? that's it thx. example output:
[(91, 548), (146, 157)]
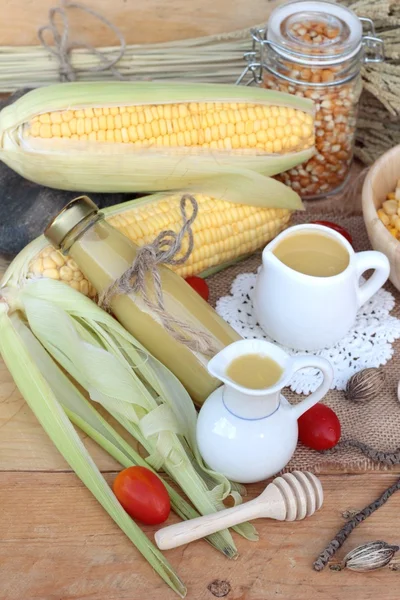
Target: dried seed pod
[(369, 556), (364, 385)]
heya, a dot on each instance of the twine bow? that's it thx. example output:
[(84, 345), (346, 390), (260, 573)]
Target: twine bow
[(134, 280), (62, 46)]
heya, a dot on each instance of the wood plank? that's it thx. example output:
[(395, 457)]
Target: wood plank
[(140, 22), (57, 543)]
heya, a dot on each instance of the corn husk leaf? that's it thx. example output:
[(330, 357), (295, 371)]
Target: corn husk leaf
[(18, 348)]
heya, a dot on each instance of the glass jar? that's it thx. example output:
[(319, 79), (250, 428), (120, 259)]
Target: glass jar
[(316, 50)]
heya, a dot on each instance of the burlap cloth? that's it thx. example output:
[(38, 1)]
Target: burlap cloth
[(376, 423)]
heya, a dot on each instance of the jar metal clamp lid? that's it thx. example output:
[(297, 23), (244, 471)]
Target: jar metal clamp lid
[(350, 38)]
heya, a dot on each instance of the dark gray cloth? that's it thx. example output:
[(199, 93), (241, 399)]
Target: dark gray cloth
[(26, 208)]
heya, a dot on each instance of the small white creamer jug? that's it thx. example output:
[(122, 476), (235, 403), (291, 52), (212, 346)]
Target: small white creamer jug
[(309, 313), (251, 434)]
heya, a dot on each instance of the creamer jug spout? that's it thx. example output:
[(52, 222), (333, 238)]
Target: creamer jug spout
[(268, 257), (218, 365)]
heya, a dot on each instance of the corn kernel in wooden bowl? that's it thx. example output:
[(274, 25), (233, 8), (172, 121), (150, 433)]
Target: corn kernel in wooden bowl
[(389, 214), (380, 204)]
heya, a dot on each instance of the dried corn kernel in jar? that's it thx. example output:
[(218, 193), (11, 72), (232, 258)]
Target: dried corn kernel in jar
[(316, 50)]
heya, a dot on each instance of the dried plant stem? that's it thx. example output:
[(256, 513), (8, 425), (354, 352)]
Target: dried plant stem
[(385, 458), (346, 530)]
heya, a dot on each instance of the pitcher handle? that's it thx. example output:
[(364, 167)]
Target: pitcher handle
[(302, 362), (371, 259)]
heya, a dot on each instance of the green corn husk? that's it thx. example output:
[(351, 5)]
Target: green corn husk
[(83, 414), (19, 348), (63, 327), (105, 360), (102, 167)]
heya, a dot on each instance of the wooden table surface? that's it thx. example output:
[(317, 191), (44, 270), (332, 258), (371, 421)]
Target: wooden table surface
[(56, 542)]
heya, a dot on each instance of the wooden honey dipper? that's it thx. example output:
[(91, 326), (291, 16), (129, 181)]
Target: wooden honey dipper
[(288, 498)]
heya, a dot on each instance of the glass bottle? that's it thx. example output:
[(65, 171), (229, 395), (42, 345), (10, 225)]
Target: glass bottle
[(103, 254), (316, 50)]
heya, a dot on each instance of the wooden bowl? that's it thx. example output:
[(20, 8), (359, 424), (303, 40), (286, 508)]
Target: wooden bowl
[(382, 179)]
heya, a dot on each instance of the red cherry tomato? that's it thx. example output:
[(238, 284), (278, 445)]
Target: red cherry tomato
[(198, 284), (337, 228), (319, 428), (143, 495)]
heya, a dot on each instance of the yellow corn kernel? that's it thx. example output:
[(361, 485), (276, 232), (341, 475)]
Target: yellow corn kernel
[(35, 129), (88, 125), (235, 142), (125, 119), (248, 128), (240, 127), (80, 126), (73, 125), (67, 115), (125, 135), (390, 207), (45, 118), (133, 133), (261, 136), (45, 130), (55, 117), (56, 130)]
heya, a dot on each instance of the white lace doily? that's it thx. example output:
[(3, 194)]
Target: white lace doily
[(368, 343)]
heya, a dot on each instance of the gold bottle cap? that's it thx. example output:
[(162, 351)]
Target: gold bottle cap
[(73, 213)]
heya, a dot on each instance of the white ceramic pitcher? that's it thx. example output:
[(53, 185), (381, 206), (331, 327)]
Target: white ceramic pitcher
[(309, 313), (248, 434)]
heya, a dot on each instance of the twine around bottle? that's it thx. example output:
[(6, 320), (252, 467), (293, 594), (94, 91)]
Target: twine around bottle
[(162, 251)]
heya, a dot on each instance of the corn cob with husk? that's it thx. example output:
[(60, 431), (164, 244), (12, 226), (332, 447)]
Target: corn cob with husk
[(224, 232), (48, 329), (148, 136)]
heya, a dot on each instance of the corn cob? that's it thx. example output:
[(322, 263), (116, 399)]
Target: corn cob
[(220, 126), (148, 136), (223, 232)]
